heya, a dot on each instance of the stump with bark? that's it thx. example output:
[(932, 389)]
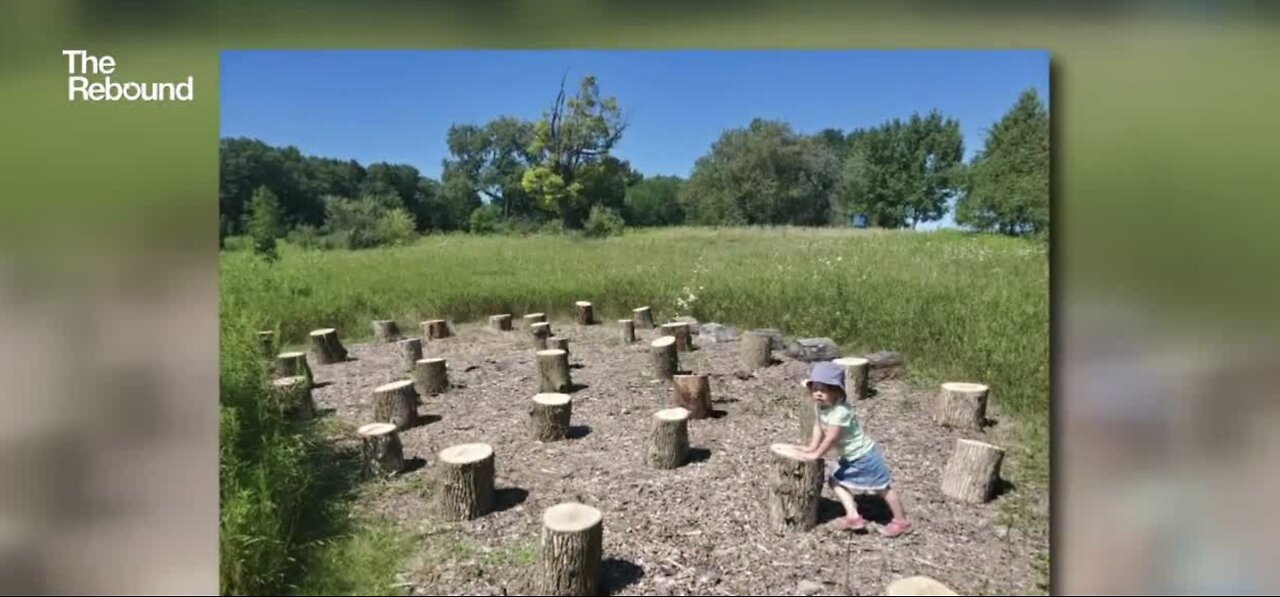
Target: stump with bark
[(558, 343), (380, 449), (385, 331), (553, 371), (794, 489), (540, 332), (807, 415), (972, 472), (267, 340), (396, 403), (533, 318), (289, 364), (669, 439), (410, 351), (918, 585), (327, 347), (962, 405), (569, 557), (855, 376), (666, 360), (679, 331), (436, 329), (294, 397), (586, 313), (756, 350), (628, 328), (549, 417), (693, 393), (431, 376), (643, 318), (500, 323), (466, 481)]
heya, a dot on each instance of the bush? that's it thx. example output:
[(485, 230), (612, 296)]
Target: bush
[(486, 219), (603, 222), (365, 223), (397, 227), (264, 223)]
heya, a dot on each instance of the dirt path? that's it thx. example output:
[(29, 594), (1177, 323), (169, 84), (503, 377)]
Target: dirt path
[(699, 529)]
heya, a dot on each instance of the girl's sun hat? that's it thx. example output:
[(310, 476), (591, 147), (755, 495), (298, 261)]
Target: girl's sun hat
[(826, 372)]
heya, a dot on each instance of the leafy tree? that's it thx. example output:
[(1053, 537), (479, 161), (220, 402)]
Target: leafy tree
[(903, 172), (602, 222), (264, 223), (655, 202), (492, 159), (486, 219), (1008, 182)]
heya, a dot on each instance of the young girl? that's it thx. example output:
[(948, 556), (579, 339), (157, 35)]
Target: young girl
[(861, 467)]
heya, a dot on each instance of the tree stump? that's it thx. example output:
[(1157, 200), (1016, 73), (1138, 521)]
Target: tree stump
[(794, 490), (569, 558), (669, 440), (972, 471), (549, 417), (500, 323), (436, 329), (381, 451), (811, 350), (289, 364), (396, 403), (586, 313), (410, 350), (918, 585), (855, 376), (540, 331), (327, 347), (666, 361), (466, 481), (293, 394), (431, 377), (385, 331), (680, 331), (807, 415), (267, 340), (553, 371), (558, 343), (693, 393), (533, 318), (643, 318), (628, 328), (962, 405), (756, 351)]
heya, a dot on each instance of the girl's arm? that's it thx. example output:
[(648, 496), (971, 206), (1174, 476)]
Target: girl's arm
[(833, 434), (815, 438)]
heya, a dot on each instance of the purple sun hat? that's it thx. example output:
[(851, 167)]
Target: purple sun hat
[(826, 372)]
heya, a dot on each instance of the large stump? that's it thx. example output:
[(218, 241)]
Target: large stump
[(807, 413), (436, 329), (569, 558), (293, 395), (643, 318), (289, 364), (267, 341), (586, 313), (795, 487), (533, 318), (549, 417), (540, 332), (972, 471), (756, 350), (855, 376), (500, 323), (628, 328), (385, 331), (466, 481), (327, 347), (553, 371), (558, 343), (669, 439), (410, 351), (666, 360), (693, 393), (679, 331), (774, 333), (381, 451), (431, 376), (396, 403), (962, 405), (918, 585)]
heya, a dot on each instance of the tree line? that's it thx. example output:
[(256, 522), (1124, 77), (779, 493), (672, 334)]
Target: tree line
[(560, 173)]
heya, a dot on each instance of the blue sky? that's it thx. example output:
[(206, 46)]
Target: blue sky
[(396, 106)]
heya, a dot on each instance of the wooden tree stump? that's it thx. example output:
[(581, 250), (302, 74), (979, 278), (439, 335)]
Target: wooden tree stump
[(586, 313), (327, 347), (666, 360), (628, 328), (693, 393), (553, 371), (533, 318), (918, 585), (972, 471), (807, 415), (549, 417), (396, 403), (558, 343), (289, 364), (293, 394), (385, 331), (794, 490), (680, 331), (431, 377), (500, 323), (267, 340), (436, 329), (540, 331), (410, 351), (756, 351), (381, 451), (643, 318), (669, 440), (466, 481), (569, 558), (962, 405), (855, 376)]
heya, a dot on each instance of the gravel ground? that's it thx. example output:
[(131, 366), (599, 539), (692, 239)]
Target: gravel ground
[(700, 529)]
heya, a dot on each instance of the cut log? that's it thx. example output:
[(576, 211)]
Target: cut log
[(289, 364), (586, 313), (679, 331), (569, 557), (807, 414), (756, 350), (855, 376), (466, 481), (540, 332), (691, 322), (918, 585), (666, 360), (436, 329), (558, 343), (533, 318), (794, 489), (961, 405), (669, 440), (972, 471), (385, 331), (778, 344), (553, 372), (431, 376), (693, 393), (326, 346), (267, 340), (643, 317), (396, 403), (628, 328), (885, 364), (410, 351), (381, 451), (500, 323), (293, 395), (549, 417), (810, 350)]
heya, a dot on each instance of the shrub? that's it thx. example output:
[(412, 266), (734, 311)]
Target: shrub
[(603, 222), (486, 219)]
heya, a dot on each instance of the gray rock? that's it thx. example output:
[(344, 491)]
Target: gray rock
[(714, 332), (808, 587), (778, 344), (814, 349)]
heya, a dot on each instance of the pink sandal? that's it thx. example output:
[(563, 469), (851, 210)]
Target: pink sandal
[(895, 528), (851, 523)]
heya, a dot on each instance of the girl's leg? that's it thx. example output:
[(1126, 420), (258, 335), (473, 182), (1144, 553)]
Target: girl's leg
[(895, 504), (846, 498)]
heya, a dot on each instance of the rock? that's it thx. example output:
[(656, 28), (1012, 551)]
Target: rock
[(778, 344), (917, 585), (742, 374), (1002, 531), (714, 332), (808, 587), (814, 349)]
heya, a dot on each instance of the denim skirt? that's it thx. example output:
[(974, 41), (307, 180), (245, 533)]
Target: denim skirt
[(868, 473)]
